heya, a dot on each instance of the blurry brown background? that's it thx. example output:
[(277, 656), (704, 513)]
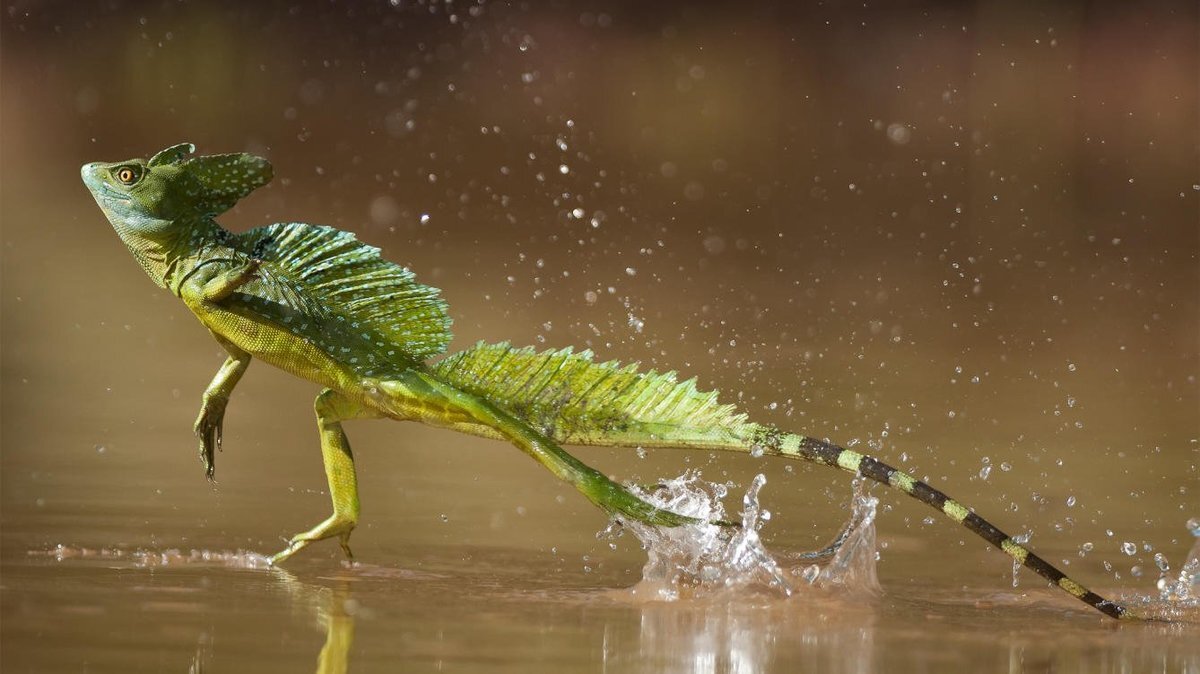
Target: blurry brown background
[(966, 233)]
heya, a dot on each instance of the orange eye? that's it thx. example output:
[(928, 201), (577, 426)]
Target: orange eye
[(127, 175)]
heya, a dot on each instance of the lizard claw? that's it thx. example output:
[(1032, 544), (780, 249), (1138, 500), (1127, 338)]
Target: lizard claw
[(208, 429), (253, 265)]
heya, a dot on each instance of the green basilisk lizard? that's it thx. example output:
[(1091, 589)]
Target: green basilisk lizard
[(316, 302)]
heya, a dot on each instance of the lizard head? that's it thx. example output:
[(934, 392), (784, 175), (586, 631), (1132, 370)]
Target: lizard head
[(162, 206), (172, 186)]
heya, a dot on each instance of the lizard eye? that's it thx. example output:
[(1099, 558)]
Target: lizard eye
[(128, 175)]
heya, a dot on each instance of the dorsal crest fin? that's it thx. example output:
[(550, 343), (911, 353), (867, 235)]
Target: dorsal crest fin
[(351, 282), (575, 400)]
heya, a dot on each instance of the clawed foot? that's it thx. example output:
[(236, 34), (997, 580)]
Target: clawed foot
[(208, 428), (334, 526)]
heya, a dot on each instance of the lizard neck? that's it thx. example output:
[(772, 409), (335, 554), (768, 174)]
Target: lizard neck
[(160, 246)]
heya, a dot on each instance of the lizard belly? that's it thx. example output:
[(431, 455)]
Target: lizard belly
[(276, 345)]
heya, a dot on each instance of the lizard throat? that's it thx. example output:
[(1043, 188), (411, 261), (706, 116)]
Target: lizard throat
[(160, 253)]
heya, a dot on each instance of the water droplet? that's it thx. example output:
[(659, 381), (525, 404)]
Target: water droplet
[(1070, 501), (1128, 548), (424, 218), (810, 573), (899, 133), (1160, 560), (1006, 466)]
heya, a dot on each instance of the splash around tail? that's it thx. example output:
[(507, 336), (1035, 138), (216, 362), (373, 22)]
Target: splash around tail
[(777, 443), (708, 559)]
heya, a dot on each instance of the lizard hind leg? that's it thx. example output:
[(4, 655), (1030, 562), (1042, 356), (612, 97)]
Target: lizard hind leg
[(594, 485), (332, 409)]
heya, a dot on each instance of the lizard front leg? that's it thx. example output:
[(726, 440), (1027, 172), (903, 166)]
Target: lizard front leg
[(332, 409), (207, 284), (209, 423), (213, 281)]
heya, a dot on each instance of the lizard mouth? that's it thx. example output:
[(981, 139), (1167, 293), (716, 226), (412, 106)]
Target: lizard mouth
[(110, 193)]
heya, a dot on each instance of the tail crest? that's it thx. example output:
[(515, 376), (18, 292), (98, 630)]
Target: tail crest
[(574, 400)]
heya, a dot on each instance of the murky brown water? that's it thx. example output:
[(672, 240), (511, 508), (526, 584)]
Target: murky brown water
[(964, 235)]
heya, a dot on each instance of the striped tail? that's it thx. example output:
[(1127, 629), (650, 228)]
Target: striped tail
[(819, 451), (575, 400)]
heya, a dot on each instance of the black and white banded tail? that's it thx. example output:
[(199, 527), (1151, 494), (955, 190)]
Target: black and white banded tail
[(819, 451)]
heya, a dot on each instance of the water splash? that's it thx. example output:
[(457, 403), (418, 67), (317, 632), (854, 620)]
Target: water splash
[(1185, 587), (853, 563), (706, 559), (142, 558), (1178, 597)]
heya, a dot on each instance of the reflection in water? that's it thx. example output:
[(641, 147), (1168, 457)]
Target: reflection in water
[(334, 609), (745, 634), (720, 601), (467, 611), (332, 606), (203, 657)]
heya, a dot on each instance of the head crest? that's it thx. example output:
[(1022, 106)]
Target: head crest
[(225, 178), (172, 155)]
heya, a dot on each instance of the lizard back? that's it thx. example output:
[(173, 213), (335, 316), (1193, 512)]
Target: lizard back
[(343, 286)]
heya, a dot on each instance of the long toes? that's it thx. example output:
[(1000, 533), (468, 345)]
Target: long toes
[(294, 546)]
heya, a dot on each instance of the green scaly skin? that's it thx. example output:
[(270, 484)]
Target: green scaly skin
[(316, 303)]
